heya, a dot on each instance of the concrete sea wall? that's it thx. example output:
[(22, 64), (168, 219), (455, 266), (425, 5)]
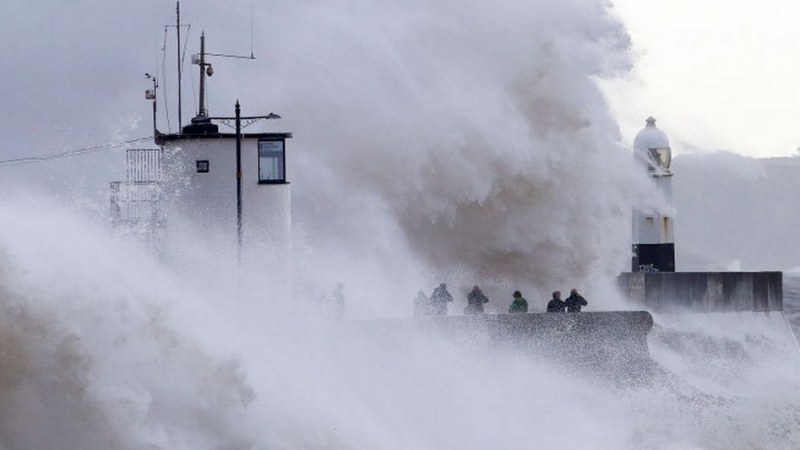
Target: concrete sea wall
[(612, 343), (704, 291)]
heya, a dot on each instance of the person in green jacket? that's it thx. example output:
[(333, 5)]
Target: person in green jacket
[(519, 305)]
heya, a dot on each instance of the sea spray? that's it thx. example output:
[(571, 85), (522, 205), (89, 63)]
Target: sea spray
[(90, 358), (453, 141), (462, 141)]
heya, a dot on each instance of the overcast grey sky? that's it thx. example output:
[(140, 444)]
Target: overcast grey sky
[(717, 76)]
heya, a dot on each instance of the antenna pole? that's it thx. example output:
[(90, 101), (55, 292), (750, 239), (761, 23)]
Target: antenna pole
[(202, 109), (155, 86), (178, 28), (239, 177), (152, 95)]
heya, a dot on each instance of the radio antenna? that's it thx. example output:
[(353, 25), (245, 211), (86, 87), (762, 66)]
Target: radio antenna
[(179, 59), (178, 29)]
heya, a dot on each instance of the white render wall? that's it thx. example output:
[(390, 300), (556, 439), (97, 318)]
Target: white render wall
[(208, 200), (655, 227)]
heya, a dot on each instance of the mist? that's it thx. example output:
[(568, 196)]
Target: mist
[(489, 156), (743, 220), (466, 143), (450, 142)]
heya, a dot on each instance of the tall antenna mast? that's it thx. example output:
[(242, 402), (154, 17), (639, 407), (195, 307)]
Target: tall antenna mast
[(178, 28), (202, 109), (207, 70)]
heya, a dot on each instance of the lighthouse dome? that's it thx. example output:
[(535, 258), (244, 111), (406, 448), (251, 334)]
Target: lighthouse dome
[(652, 145), (650, 137)]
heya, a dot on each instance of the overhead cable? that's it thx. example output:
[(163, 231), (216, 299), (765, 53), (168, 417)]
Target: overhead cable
[(71, 153)]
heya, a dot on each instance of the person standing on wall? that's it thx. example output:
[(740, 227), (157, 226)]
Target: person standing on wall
[(422, 305), (439, 300), (575, 301), (519, 305), (475, 300), (556, 304)]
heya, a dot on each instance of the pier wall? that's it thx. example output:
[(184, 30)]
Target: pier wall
[(612, 343), (704, 291)]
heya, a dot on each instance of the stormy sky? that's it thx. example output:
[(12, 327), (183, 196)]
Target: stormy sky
[(716, 77)]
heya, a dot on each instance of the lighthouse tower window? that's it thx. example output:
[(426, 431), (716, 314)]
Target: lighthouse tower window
[(271, 162)]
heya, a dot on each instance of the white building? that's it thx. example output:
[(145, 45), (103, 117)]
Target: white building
[(229, 188), (227, 193)]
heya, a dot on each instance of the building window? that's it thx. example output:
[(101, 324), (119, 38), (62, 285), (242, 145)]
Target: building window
[(271, 162), (202, 165)]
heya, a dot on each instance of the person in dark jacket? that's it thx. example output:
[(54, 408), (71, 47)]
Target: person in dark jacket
[(439, 300), (475, 300), (519, 305), (575, 301), (556, 304)]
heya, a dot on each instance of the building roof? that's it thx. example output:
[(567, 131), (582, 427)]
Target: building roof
[(162, 138)]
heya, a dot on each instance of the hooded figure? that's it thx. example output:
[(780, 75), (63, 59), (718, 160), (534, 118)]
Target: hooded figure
[(475, 301), (575, 301), (556, 304), (439, 300)]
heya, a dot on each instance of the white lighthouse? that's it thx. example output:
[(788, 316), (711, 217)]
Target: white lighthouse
[(653, 239)]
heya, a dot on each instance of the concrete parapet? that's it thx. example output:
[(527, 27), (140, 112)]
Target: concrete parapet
[(705, 291), (612, 343)]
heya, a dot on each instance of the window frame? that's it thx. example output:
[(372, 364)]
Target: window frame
[(281, 180), (199, 163)]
